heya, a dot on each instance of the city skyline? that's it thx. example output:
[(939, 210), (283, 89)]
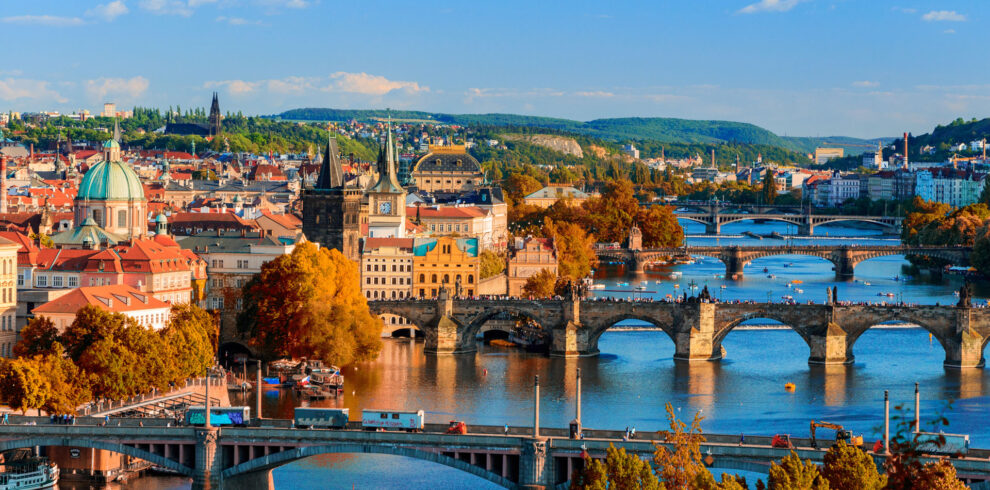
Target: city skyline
[(795, 67)]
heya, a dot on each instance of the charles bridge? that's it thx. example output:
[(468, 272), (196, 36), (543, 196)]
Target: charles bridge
[(843, 257), (527, 457), (450, 325)]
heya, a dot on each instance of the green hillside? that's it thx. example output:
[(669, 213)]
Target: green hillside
[(658, 129), (943, 137)]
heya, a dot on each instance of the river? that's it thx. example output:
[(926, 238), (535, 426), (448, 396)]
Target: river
[(635, 375)]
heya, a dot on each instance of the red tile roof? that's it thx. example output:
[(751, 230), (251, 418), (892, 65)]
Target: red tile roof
[(118, 298)]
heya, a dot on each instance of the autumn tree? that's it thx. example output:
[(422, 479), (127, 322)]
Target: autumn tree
[(540, 285), (612, 215), (22, 385), (769, 190), (849, 468), (40, 336), (794, 474), (660, 227), (678, 460), (620, 470), (70, 385), (309, 304), (492, 264), (194, 329), (576, 255)]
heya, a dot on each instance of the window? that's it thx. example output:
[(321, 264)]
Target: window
[(433, 278), (422, 278), (42, 281), (73, 282), (20, 279), (122, 218), (470, 279), (56, 281)]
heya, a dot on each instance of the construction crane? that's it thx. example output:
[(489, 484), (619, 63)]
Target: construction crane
[(841, 434)]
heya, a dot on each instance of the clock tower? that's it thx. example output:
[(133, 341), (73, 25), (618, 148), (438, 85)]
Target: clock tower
[(387, 199)]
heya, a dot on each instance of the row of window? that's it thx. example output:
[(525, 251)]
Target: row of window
[(58, 281), (222, 282), (446, 278), (7, 323), (450, 227), (395, 280), (440, 181), (385, 294), (384, 268)]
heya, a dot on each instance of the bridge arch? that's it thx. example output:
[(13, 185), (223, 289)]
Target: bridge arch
[(723, 332), (150, 457), (854, 219), (731, 218), (474, 325), (284, 457), (665, 324)]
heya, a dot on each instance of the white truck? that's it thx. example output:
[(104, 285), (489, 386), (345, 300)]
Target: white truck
[(392, 420)]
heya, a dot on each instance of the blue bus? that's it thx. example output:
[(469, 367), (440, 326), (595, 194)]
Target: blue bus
[(329, 418), (219, 416)]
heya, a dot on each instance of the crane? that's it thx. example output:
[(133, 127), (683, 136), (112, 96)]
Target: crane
[(841, 434)]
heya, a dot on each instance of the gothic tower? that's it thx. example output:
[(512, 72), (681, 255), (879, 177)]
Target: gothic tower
[(215, 128), (387, 199), (332, 209)]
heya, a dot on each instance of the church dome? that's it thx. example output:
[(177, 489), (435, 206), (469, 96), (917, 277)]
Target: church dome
[(110, 181)]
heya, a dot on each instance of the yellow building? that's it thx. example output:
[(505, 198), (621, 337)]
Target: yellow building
[(529, 256), (447, 169), (445, 261), (549, 195), (8, 297), (823, 155)]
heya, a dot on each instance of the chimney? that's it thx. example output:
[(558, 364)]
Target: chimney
[(905, 150), (31, 153), (3, 184)]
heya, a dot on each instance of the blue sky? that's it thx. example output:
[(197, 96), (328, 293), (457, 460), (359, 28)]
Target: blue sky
[(797, 67)]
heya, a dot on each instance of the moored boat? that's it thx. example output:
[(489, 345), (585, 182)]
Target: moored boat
[(31, 474)]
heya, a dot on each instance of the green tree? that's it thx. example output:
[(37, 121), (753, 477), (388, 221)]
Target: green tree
[(849, 468), (22, 384), (620, 471), (769, 189), (540, 285), (309, 304), (794, 474), (39, 336), (492, 264)]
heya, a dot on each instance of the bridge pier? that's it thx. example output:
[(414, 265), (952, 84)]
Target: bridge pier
[(448, 337), (844, 264), (965, 348), (636, 264), (806, 229), (713, 228), (734, 263), (209, 462), (698, 343), (535, 465), (831, 348)]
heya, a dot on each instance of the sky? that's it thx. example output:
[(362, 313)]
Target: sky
[(865, 68)]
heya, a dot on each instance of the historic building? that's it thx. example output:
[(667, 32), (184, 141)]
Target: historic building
[(216, 128), (120, 298), (387, 199), (331, 210), (112, 196), (447, 169), (386, 273), (8, 297), (528, 257), (445, 262)]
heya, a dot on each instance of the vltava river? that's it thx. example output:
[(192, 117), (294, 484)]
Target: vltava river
[(635, 375)]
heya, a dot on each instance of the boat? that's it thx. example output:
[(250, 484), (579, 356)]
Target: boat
[(659, 281), (765, 270), (724, 286), (676, 274), (865, 283), (797, 281), (677, 286), (890, 295), (640, 288), (776, 236), (771, 276), (596, 286), (644, 282), (29, 474), (799, 291)]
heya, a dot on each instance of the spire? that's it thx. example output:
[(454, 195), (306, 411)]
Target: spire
[(387, 181), (116, 130), (331, 173)]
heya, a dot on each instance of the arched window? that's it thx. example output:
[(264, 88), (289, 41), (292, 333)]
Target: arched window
[(433, 278), (470, 278), (446, 278), (422, 278)]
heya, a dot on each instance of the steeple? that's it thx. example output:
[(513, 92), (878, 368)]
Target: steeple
[(216, 128), (387, 181), (331, 173), (116, 130)]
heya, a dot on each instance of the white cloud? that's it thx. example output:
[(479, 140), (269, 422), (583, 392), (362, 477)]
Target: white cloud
[(238, 21), (865, 83), (108, 11), (594, 93), (45, 20), (169, 7), (769, 6), (292, 4), (363, 83), (234, 87), (22, 88), (116, 88), (949, 31), (943, 16)]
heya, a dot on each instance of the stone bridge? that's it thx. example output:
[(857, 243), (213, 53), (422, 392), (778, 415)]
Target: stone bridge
[(713, 219), (844, 258), (450, 326), (242, 458)]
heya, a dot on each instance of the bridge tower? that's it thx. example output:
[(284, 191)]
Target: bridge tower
[(568, 338), (208, 460)]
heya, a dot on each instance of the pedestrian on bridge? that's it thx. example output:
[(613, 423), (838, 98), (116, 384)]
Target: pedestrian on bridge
[(506, 429), (5, 418)]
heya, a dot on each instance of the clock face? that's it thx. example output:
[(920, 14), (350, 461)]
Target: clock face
[(385, 208)]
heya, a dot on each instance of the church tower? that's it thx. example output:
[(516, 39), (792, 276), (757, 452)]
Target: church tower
[(215, 128), (332, 209), (387, 199)]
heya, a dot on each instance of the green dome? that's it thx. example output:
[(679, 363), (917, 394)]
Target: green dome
[(110, 181), (111, 143)]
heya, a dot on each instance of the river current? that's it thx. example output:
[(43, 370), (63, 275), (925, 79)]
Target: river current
[(635, 375)]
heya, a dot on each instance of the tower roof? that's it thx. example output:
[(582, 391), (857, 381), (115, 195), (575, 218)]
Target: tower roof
[(387, 182), (110, 181), (331, 173)]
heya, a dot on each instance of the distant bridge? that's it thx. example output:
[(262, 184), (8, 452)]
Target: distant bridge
[(844, 258), (697, 329), (243, 457), (805, 222)]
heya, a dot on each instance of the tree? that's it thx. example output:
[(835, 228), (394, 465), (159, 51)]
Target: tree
[(681, 464), (194, 329), (576, 255), (769, 189), (43, 239), (22, 384), (112, 367), (492, 264), (309, 304), (39, 336), (660, 227), (849, 468), (794, 474), (70, 386), (540, 285), (91, 325), (620, 471), (612, 215)]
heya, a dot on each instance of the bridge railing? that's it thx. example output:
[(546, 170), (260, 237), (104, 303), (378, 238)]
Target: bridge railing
[(105, 405)]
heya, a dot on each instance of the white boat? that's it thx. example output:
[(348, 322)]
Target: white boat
[(799, 291), (675, 275), (597, 286), (33, 474), (724, 286), (644, 282), (865, 283)]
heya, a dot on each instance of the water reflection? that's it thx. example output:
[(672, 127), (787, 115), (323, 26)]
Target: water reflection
[(835, 380)]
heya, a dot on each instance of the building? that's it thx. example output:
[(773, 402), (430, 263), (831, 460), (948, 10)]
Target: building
[(119, 298), (112, 196), (704, 173), (459, 221), (109, 109), (216, 128), (387, 268), (631, 150), (954, 187), (332, 210), (445, 262), (879, 186), (823, 155), (551, 194), (387, 199), (836, 190), (527, 258), (447, 169), (8, 297)]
